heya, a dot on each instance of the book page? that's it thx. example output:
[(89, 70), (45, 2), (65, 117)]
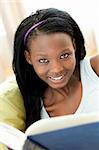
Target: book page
[(11, 137), (60, 122)]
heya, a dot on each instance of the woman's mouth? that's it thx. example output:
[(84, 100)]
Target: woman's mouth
[(57, 79)]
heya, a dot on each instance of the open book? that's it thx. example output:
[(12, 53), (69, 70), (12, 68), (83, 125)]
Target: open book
[(71, 132)]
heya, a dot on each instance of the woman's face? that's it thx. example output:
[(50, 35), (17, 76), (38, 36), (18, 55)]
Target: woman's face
[(53, 58)]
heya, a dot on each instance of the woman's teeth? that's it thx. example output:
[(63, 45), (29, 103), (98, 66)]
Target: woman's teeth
[(57, 78)]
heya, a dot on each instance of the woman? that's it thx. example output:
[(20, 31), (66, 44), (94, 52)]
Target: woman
[(54, 78)]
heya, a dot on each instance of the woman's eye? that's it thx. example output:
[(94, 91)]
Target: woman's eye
[(43, 61), (64, 56)]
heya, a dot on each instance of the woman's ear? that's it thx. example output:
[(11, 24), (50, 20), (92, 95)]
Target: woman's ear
[(27, 56)]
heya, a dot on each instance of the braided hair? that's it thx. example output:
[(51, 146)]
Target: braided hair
[(31, 86)]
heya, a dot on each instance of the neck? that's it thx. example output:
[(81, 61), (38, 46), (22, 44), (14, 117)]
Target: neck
[(51, 95)]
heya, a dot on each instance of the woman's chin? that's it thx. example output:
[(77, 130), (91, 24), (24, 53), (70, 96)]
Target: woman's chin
[(58, 86)]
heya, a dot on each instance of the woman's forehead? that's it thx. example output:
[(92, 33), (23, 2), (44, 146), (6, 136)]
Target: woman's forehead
[(52, 39), (50, 44)]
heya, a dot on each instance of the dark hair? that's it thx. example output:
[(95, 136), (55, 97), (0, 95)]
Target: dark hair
[(31, 86)]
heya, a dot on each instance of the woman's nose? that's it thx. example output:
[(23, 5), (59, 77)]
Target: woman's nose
[(57, 67)]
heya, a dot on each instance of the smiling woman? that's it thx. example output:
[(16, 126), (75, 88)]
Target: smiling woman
[(53, 58), (58, 80), (52, 76), (49, 51)]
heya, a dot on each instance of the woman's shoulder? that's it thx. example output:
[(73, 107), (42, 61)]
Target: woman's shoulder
[(89, 69), (94, 61)]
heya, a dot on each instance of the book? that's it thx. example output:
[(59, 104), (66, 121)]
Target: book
[(70, 132)]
